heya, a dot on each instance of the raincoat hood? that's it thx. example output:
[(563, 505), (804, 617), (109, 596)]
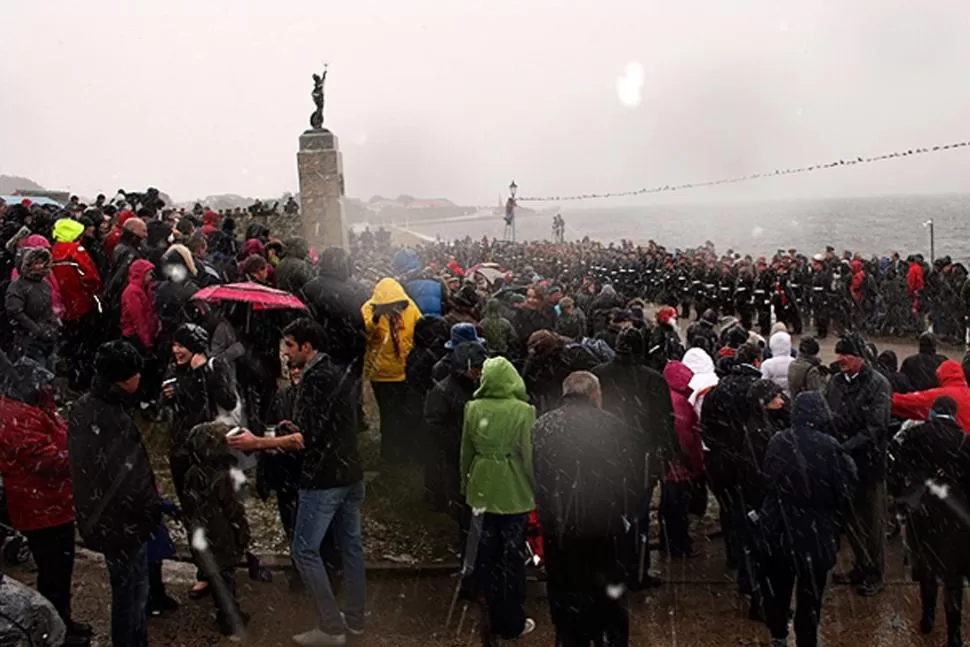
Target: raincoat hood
[(811, 412), (67, 230), (296, 248), (26, 380), (405, 260), (501, 381), (951, 374), (678, 376), (780, 344), (253, 246), (431, 331), (388, 291), (335, 262), (702, 366), (493, 308), (136, 275)]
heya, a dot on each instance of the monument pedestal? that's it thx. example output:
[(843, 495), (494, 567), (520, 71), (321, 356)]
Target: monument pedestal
[(321, 172)]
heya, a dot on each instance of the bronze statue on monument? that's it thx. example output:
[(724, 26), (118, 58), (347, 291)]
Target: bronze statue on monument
[(316, 117)]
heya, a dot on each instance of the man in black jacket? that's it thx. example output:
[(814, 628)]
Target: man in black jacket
[(444, 414), (724, 417), (115, 498), (331, 483), (640, 397), (920, 369), (861, 402), (583, 451)]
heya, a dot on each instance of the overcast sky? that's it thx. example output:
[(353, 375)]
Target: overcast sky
[(455, 98)]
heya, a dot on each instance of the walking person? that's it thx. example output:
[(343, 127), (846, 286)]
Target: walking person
[(809, 480), (860, 399), (583, 451), (497, 479)]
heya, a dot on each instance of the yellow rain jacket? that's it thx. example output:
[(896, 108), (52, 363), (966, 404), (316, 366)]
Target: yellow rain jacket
[(381, 362)]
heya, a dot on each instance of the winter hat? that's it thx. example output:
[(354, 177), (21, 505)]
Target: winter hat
[(192, 337), (469, 355), (629, 342), (67, 230), (665, 314), (709, 316), (763, 392), (462, 333), (811, 412), (467, 297), (809, 346), (944, 407), (927, 342), (37, 241), (117, 361), (737, 337), (850, 345)]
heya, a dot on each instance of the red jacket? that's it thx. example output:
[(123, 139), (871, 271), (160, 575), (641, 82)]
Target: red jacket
[(685, 423), (858, 279), (78, 279), (111, 240), (33, 460), (916, 406), (138, 316), (914, 279)]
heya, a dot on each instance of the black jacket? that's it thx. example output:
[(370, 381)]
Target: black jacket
[(809, 480), (326, 413), (115, 498), (335, 301), (939, 452), (281, 470), (430, 335), (920, 369), (444, 414), (199, 394), (528, 321), (724, 415), (664, 346), (544, 374), (640, 397), (862, 408)]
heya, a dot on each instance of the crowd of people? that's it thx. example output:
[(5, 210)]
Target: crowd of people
[(551, 396)]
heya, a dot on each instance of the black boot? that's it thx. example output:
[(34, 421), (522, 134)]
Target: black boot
[(927, 596), (159, 602), (78, 634), (953, 608)]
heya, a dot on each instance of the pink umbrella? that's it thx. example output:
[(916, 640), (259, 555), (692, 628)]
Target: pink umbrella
[(259, 296)]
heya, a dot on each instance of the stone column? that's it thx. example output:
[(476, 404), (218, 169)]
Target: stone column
[(321, 171)]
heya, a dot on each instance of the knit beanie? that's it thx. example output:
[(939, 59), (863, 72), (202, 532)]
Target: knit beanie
[(117, 361), (192, 337), (850, 345), (809, 346)]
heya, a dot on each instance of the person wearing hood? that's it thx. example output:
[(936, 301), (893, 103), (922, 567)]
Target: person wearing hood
[(30, 309), (37, 241), (210, 222), (929, 459), (806, 372), (676, 495), (639, 396), (665, 343), (444, 415), (600, 308), (861, 404), (919, 404), (115, 497), (389, 320), (809, 481), (139, 320), (37, 483), (920, 369), (580, 448), (173, 296), (498, 484), (776, 367), (726, 410), (499, 333), (428, 294), (80, 284), (703, 377), (888, 365), (294, 271)]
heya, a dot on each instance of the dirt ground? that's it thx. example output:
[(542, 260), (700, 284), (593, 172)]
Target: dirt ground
[(696, 607)]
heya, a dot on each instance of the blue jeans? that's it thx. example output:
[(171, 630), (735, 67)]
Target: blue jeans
[(129, 598), (316, 511)]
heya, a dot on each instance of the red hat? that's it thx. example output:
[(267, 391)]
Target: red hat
[(26, 202)]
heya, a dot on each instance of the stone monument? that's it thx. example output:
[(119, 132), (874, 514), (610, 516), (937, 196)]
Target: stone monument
[(320, 167)]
